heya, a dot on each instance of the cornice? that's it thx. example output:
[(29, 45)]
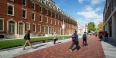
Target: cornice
[(53, 10)]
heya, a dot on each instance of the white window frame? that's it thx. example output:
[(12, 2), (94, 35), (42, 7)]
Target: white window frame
[(25, 13), (47, 19), (58, 16), (46, 29), (35, 27), (2, 24), (40, 9), (34, 15), (8, 4), (25, 2), (28, 26), (40, 18), (46, 12), (51, 13), (50, 20), (40, 28), (11, 31), (43, 31), (55, 22), (55, 15), (34, 6), (58, 23)]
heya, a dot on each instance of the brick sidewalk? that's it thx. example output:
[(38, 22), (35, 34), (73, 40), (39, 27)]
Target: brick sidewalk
[(93, 50)]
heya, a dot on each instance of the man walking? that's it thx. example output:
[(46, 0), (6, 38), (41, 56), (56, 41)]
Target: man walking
[(84, 39), (27, 38), (106, 36), (74, 42)]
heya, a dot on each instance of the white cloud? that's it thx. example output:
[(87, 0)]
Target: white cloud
[(93, 2), (81, 21), (91, 14), (96, 1), (80, 1)]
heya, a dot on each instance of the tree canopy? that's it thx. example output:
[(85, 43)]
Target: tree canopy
[(99, 27), (91, 26)]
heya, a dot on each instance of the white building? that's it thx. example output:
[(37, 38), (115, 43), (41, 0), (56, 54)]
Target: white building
[(82, 28)]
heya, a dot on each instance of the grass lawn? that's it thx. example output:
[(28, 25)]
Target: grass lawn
[(20, 42)]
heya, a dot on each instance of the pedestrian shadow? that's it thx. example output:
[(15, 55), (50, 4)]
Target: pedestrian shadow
[(58, 42), (78, 48), (40, 45), (111, 41)]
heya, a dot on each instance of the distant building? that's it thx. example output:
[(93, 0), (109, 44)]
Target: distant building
[(41, 17), (109, 18), (82, 28)]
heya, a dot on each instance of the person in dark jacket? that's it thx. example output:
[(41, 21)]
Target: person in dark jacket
[(84, 37), (75, 42), (106, 36), (27, 35)]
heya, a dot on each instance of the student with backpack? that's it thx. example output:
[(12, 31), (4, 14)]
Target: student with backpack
[(84, 37), (27, 38), (74, 42), (101, 36)]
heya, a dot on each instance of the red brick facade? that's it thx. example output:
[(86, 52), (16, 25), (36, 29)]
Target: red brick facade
[(70, 24)]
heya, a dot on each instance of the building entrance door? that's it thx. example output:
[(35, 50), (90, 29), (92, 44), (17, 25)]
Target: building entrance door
[(21, 28)]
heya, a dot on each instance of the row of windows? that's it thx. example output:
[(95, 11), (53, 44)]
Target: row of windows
[(24, 14), (10, 9), (27, 25), (11, 27), (44, 28), (24, 3)]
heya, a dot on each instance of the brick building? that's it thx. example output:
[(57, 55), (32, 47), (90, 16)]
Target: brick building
[(41, 17), (109, 18)]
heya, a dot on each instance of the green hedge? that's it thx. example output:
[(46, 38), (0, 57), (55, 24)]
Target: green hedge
[(19, 42)]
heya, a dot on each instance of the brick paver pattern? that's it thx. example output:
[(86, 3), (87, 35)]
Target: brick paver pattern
[(93, 50)]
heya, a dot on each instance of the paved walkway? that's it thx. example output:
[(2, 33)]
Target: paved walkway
[(93, 50), (109, 48), (61, 50)]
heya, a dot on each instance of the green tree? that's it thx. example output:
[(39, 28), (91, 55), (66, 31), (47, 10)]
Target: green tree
[(99, 27), (91, 26)]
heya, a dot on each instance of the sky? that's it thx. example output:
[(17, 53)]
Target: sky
[(84, 11)]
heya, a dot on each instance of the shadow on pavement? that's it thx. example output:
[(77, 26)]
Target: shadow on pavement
[(78, 48), (40, 45), (111, 41)]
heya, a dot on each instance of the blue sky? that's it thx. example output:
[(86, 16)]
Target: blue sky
[(83, 11)]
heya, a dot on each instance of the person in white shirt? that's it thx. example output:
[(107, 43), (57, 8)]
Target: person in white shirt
[(55, 37)]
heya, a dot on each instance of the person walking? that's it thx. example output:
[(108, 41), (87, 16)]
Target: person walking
[(100, 36), (74, 42), (27, 38), (55, 37), (84, 37), (106, 36)]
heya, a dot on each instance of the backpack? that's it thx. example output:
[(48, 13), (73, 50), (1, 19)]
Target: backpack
[(74, 36), (25, 37), (84, 36)]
